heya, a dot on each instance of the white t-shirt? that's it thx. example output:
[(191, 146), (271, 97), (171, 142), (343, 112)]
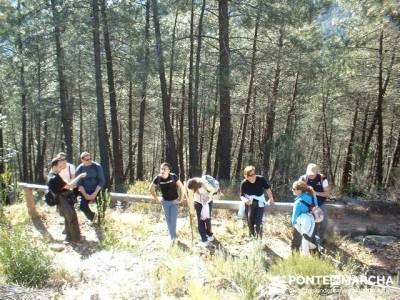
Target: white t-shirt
[(68, 173)]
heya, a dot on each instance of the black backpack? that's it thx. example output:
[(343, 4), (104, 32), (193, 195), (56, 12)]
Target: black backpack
[(50, 198)]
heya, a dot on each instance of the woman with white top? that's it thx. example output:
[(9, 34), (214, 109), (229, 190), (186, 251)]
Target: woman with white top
[(200, 198)]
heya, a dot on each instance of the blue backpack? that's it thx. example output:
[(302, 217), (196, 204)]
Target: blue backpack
[(212, 181)]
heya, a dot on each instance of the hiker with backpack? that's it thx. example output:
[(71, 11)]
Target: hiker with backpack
[(64, 198), (322, 190), (68, 172), (303, 221), (253, 191), (169, 184), (200, 199)]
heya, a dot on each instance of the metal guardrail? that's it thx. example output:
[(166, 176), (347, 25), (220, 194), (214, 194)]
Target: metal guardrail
[(220, 204)]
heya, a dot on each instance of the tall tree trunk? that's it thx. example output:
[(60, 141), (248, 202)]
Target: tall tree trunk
[(101, 119), (198, 157), (118, 167), (65, 102), (192, 106), (382, 85), (81, 145), (24, 151), (212, 133), (181, 143), (290, 115), (171, 153), (225, 130), (131, 128), (142, 113), (202, 131), (327, 147), (248, 99), (270, 116), (253, 129), (217, 164), (348, 162)]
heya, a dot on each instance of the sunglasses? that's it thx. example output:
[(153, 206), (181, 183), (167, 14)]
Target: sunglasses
[(86, 159), (251, 175)]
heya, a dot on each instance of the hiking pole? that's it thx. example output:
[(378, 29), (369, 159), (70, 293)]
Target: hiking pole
[(188, 208)]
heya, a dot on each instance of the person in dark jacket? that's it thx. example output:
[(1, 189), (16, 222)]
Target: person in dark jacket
[(65, 199)]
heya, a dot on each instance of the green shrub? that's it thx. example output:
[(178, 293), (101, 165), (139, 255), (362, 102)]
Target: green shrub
[(22, 259), (246, 272), (302, 265)]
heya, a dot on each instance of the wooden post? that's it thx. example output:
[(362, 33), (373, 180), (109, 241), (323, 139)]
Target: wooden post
[(30, 203)]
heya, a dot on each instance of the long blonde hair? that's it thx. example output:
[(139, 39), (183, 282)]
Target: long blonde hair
[(300, 185)]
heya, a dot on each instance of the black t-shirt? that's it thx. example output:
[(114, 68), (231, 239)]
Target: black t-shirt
[(257, 188), (317, 185), (168, 186), (56, 183)]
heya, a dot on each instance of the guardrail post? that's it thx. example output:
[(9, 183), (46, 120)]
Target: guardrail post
[(30, 203)]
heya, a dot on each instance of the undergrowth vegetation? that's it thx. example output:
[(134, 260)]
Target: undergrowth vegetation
[(23, 259)]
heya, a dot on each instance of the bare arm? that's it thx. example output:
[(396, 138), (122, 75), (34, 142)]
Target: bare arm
[(152, 190), (270, 196), (181, 189)]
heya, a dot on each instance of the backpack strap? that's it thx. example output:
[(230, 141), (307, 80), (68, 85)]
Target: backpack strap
[(307, 204), (69, 171)]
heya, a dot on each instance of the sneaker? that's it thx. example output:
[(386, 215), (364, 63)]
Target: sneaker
[(210, 238), (204, 244)]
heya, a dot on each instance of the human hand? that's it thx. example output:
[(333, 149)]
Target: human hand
[(82, 175)]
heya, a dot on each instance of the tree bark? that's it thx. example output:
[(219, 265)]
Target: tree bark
[(101, 119), (142, 114), (118, 167), (348, 162), (225, 131), (192, 105), (65, 102), (171, 153), (248, 99), (212, 133), (181, 143), (270, 121)]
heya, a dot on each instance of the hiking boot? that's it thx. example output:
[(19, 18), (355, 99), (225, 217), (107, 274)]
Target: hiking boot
[(210, 238)]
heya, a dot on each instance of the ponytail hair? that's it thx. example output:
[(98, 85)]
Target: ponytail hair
[(303, 187), (194, 184)]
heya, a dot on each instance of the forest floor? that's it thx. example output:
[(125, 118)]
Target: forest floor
[(135, 260)]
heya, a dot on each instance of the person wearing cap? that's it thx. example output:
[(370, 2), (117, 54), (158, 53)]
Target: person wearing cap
[(322, 190), (303, 222), (68, 172), (90, 186), (65, 198)]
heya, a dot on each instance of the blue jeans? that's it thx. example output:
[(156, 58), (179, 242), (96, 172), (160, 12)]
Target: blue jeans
[(171, 214)]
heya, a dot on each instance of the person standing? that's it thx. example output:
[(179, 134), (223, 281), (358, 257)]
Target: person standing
[(303, 222), (253, 191), (65, 199), (91, 185), (169, 185), (200, 199), (322, 190)]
